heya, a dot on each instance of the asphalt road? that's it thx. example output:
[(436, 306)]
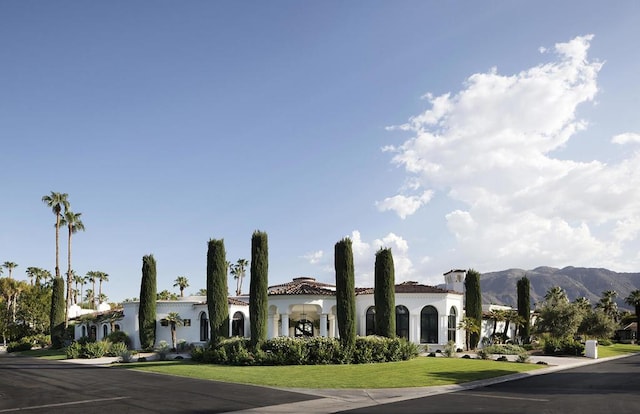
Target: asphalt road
[(606, 387), (41, 386)]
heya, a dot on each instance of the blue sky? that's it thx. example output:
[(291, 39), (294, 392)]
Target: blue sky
[(461, 134)]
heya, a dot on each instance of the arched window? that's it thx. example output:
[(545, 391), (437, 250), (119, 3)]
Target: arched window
[(370, 325), (451, 325), (93, 332), (84, 331), (204, 327), (105, 331), (116, 327), (429, 325), (237, 324), (304, 327), (402, 322)]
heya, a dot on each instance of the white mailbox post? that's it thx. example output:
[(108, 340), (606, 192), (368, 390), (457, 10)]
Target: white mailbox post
[(591, 349)]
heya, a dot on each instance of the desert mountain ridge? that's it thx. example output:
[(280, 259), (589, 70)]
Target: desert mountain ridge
[(500, 287)]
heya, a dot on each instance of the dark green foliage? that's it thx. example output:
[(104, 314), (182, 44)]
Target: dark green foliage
[(217, 290), (119, 337), (56, 316), (148, 295), (258, 300), (306, 351), (345, 293), (384, 294), (473, 303), (563, 346), (524, 308), (19, 346)]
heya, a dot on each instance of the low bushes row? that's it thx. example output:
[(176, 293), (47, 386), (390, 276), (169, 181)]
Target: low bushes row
[(28, 342), (554, 346), (312, 351), (504, 349), (116, 344)]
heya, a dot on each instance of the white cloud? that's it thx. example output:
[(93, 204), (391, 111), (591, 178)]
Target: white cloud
[(314, 257), (490, 149), (404, 206), (626, 138)]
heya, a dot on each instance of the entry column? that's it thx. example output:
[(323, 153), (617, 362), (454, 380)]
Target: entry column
[(323, 325), (285, 325)]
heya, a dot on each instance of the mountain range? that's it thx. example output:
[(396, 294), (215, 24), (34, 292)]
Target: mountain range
[(500, 287)]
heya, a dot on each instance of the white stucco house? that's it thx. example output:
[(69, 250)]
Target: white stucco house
[(425, 315)]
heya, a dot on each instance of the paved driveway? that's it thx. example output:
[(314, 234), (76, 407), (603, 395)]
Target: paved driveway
[(41, 386)]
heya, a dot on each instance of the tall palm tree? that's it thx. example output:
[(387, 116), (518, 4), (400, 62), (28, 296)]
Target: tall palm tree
[(174, 320), (57, 201), (634, 300), (10, 266), (74, 224), (78, 280), (92, 275), (181, 282), (102, 277), (31, 273), (497, 315), (238, 271), (555, 295), (608, 304), (90, 297)]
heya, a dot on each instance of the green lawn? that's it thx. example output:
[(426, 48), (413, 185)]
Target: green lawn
[(44, 353), (418, 372), (617, 349)]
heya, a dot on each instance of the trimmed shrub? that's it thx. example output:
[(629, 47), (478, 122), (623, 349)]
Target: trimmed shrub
[(217, 269), (523, 357), (18, 346), (554, 346), (322, 351), (96, 349), (163, 350), (258, 285), (74, 351), (345, 293), (119, 337), (473, 303), (117, 348), (147, 307), (384, 294), (504, 349)]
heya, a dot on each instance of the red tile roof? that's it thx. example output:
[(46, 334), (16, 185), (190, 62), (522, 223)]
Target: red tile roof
[(309, 286)]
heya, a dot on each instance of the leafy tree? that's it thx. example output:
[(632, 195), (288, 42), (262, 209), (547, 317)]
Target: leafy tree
[(57, 201), (470, 327), (523, 287), (174, 320), (74, 224), (34, 309), (473, 303), (634, 300), (56, 317), (10, 266), (345, 293), (217, 290), (384, 294), (147, 311), (182, 283), (238, 271), (558, 317), (258, 285), (597, 324)]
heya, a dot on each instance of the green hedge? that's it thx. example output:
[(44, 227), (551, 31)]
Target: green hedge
[(553, 346), (306, 351)]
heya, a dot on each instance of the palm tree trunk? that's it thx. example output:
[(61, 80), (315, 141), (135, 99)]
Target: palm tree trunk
[(68, 300)]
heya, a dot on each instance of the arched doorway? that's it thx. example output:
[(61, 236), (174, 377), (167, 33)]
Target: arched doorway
[(204, 327), (105, 331), (237, 324), (429, 325), (451, 324), (402, 322), (370, 324)]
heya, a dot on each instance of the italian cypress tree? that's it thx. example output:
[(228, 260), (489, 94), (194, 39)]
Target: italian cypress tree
[(56, 321), (217, 290), (148, 296), (258, 285), (524, 308), (345, 293), (473, 303), (384, 294)]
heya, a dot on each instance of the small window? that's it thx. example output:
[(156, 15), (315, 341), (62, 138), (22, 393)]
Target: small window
[(237, 324), (186, 322), (371, 321), (116, 327), (164, 322), (204, 327), (105, 331)]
